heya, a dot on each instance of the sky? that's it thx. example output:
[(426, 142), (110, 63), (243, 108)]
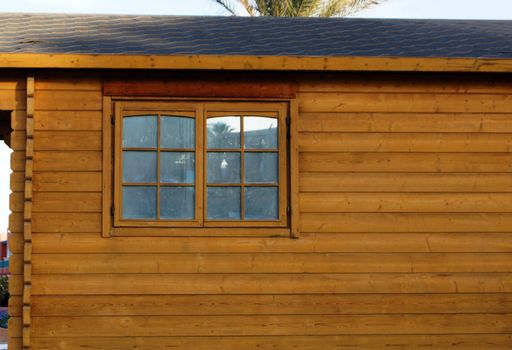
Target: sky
[(453, 9)]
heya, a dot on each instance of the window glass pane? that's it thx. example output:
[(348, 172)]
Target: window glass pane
[(223, 203), (139, 166), (177, 132), (140, 131), (261, 167), (177, 202), (177, 167), (139, 202), (223, 167), (260, 132), (261, 203), (223, 132)]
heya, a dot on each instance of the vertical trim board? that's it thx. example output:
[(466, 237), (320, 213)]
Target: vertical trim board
[(27, 213)]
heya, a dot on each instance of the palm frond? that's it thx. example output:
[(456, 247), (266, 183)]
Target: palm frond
[(297, 8), (227, 6)]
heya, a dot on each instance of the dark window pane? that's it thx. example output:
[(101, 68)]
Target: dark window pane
[(177, 132), (223, 132), (260, 132), (223, 167), (261, 167), (261, 203), (139, 166), (139, 202), (140, 131), (177, 167), (223, 203), (177, 202)]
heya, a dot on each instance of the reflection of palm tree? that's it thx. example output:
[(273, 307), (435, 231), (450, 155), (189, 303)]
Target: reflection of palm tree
[(219, 129), (220, 133)]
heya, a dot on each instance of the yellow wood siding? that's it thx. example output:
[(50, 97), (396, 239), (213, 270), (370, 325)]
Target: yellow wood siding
[(405, 230)]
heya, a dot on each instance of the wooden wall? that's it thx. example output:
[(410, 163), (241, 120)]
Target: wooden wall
[(405, 243)]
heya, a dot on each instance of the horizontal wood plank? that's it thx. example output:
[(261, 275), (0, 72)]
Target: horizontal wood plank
[(330, 342), (67, 161), (308, 243), (67, 141), (307, 304), (154, 326), (68, 80), (404, 142), (405, 202), (68, 120), (405, 162), (404, 182), (404, 102), (62, 181), (264, 263), (66, 222), (70, 202), (156, 284), (60, 100), (396, 82), (12, 99), (405, 122), (406, 222)]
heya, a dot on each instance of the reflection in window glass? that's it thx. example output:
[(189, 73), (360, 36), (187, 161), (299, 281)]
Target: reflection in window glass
[(139, 202), (223, 203), (223, 167), (139, 166), (177, 203), (260, 133), (140, 132), (261, 203), (177, 167), (223, 132), (261, 167), (177, 132)]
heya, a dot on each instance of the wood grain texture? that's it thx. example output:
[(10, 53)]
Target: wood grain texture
[(406, 162), (143, 284), (332, 182), (329, 342), (265, 263), (254, 304), (405, 142), (67, 181), (406, 202), (405, 228), (75, 242), (404, 102), (154, 326), (405, 122)]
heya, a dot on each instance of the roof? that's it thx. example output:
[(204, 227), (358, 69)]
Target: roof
[(253, 36)]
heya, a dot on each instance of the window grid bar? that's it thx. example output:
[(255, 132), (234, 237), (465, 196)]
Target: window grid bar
[(158, 169), (161, 149), (162, 184), (242, 170), (255, 150)]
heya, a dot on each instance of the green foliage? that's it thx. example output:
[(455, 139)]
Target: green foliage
[(4, 290), (296, 8)]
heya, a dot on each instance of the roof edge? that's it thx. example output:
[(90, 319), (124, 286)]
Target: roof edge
[(232, 62)]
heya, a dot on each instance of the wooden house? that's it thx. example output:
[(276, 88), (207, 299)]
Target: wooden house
[(258, 183)]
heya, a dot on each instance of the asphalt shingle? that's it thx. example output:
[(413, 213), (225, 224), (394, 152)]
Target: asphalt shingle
[(261, 36)]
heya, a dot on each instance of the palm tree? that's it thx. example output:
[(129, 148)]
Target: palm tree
[(296, 8)]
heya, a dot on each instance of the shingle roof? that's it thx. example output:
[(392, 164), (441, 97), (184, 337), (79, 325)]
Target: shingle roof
[(262, 36)]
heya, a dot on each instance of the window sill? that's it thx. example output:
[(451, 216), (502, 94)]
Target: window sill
[(201, 232)]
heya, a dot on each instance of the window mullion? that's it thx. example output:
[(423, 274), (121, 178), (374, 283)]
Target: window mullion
[(158, 168), (242, 169)]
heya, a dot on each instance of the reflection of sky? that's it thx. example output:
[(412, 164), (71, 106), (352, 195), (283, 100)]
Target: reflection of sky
[(250, 123)]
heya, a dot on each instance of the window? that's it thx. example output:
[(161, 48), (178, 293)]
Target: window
[(200, 164)]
